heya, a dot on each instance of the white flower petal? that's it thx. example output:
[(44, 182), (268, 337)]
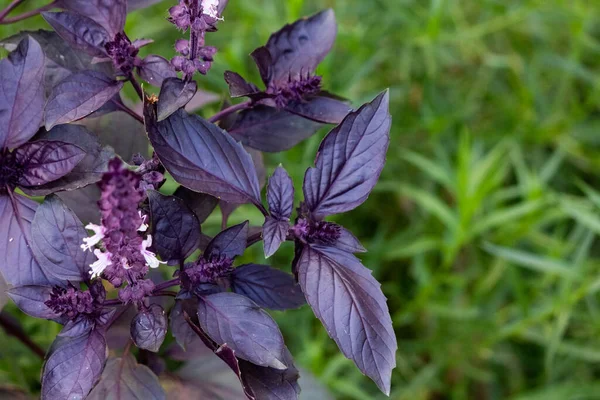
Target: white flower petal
[(143, 227), (90, 242), (100, 265)]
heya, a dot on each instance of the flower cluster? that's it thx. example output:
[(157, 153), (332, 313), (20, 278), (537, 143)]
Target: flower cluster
[(122, 52), (72, 302), (125, 256), (194, 55), (208, 270), (321, 232), (151, 171), (294, 90)]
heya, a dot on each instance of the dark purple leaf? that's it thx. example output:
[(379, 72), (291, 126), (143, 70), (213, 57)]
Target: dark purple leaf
[(30, 299), (125, 379), (202, 157), (79, 95), (274, 234), (297, 49), (268, 287), (268, 129), (229, 243), (22, 100), (348, 300), (17, 262), (73, 366), (174, 94), (238, 86), (46, 161), (175, 228), (348, 242), (262, 58), (57, 235), (321, 109), (109, 14), (89, 170), (232, 319), (204, 376), (155, 69), (180, 329), (272, 384), (83, 202), (349, 160), (149, 327), (79, 31), (110, 128), (200, 203), (280, 194)]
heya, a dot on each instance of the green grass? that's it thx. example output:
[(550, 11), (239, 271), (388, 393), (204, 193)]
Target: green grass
[(484, 227)]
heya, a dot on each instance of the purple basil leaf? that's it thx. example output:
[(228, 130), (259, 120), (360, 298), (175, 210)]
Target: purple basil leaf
[(22, 100), (204, 376), (149, 327), (348, 300), (46, 161), (262, 58), (321, 109), (174, 94), (274, 234), (229, 243), (110, 128), (17, 262), (200, 203), (81, 325), (125, 379), (297, 49), (272, 384), (180, 329), (57, 235), (268, 129), (30, 299), (238, 87), (79, 95), (79, 31), (109, 14), (155, 69), (348, 242), (202, 157), (73, 366), (83, 202), (349, 160), (89, 170), (175, 228), (280, 194), (233, 319), (266, 286)]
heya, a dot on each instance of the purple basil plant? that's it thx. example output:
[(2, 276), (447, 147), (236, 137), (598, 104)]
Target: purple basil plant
[(105, 275)]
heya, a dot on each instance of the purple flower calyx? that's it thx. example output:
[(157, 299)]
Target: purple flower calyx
[(319, 232), (122, 53), (208, 270), (296, 90), (10, 171), (125, 254), (72, 302), (151, 171), (136, 292)]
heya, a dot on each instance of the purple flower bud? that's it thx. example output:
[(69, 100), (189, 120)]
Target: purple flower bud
[(207, 270), (321, 232), (177, 62), (70, 302), (200, 24), (297, 90), (179, 15), (206, 53), (182, 46), (122, 52), (202, 66), (188, 67), (136, 292)]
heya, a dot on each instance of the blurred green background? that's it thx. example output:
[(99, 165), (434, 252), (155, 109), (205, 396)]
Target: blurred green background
[(484, 227)]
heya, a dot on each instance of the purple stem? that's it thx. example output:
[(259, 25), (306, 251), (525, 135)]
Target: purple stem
[(136, 86), (129, 111), (166, 284), (13, 328), (28, 14), (10, 7), (229, 110), (254, 238)]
